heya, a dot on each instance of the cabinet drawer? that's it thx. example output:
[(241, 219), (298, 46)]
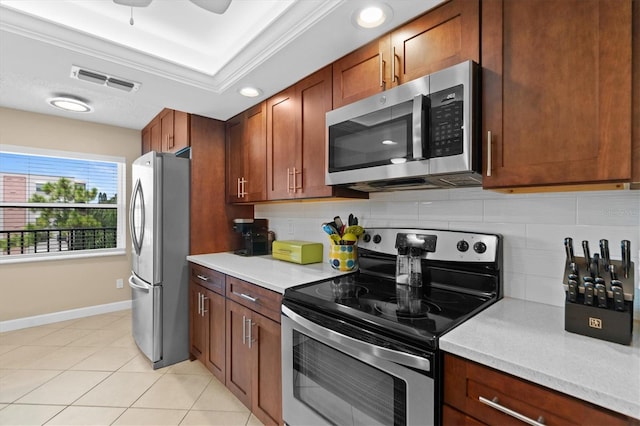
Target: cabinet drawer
[(480, 392), (256, 298), (208, 278)]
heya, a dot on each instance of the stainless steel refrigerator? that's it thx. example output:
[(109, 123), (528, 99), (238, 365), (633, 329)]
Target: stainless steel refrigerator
[(159, 227)]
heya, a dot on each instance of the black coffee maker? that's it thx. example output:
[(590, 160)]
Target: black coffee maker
[(255, 236)]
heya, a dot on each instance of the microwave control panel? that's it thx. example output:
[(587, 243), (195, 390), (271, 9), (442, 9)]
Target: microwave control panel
[(446, 122)]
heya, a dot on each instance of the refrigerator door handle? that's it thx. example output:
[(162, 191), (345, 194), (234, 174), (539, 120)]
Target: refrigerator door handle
[(143, 286), (137, 242)]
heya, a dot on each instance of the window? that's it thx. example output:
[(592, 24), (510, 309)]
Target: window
[(57, 204)]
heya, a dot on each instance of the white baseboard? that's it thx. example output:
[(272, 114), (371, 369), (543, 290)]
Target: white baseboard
[(53, 317)]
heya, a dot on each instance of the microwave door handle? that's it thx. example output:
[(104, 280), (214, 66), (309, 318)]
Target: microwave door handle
[(417, 127)]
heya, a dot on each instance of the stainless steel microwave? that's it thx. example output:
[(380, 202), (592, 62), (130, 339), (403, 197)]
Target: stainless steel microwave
[(421, 134)]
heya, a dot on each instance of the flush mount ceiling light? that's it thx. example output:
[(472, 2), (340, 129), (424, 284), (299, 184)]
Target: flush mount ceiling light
[(69, 103), (250, 92), (372, 16)]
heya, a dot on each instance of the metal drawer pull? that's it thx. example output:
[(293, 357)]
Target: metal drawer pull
[(494, 404), (204, 298), (488, 153), (247, 297), (244, 329), (202, 277)]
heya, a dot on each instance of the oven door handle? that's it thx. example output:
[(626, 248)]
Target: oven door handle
[(391, 355)]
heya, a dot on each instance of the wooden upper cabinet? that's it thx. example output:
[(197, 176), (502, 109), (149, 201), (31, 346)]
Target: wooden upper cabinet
[(362, 73), (556, 92), (283, 145), (151, 136), (175, 130), (635, 132), (246, 156), (443, 37), (169, 131)]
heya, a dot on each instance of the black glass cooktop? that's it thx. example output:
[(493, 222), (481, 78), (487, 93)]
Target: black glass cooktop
[(415, 313)]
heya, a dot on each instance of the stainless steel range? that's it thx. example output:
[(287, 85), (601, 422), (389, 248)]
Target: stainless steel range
[(363, 348)]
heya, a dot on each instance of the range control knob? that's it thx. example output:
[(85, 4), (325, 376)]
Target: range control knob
[(377, 238), (366, 238), (480, 247), (462, 245)]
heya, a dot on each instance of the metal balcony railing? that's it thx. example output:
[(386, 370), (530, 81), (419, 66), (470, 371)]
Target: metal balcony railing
[(26, 241)]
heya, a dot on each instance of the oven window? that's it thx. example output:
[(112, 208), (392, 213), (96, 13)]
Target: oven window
[(345, 390), (379, 138)]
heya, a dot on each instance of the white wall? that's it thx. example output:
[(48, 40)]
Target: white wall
[(533, 225)]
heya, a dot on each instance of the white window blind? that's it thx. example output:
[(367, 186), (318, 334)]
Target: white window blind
[(60, 204)]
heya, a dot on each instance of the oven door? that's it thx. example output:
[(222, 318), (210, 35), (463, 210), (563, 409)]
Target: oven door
[(331, 378)]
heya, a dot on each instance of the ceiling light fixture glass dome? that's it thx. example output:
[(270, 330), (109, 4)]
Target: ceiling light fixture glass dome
[(250, 92), (69, 103), (372, 16)]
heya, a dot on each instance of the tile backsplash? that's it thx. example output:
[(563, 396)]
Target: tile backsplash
[(533, 226)]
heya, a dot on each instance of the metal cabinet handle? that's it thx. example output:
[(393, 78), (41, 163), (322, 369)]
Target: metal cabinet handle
[(297, 172), (247, 297), (393, 64), (495, 405), (244, 329), (381, 71), (288, 180), (250, 336), (488, 153), (199, 303), (238, 187), (204, 298), (202, 277)]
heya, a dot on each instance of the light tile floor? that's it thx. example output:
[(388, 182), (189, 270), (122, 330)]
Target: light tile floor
[(89, 371)]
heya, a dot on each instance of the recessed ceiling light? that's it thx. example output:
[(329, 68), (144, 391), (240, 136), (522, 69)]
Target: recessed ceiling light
[(372, 16), (250, 92), (389, 142), (69, 103)]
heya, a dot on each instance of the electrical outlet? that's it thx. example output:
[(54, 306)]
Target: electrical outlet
[(119, 283)]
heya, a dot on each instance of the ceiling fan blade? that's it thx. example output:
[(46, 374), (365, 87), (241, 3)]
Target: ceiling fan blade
[(215, 6), (133, 3)]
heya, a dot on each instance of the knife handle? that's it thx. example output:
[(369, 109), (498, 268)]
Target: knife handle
[(568, 245), (626, 257), (588, 293), (573, 291), (601, 293), (604, 254), (595, 263), (618, 295), (587, 255)]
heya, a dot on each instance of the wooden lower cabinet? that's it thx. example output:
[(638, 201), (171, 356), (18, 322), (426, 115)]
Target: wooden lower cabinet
[(235, 332), (467, 384), (207, 319)]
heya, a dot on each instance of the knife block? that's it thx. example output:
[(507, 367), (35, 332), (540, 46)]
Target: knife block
[(602, 323)]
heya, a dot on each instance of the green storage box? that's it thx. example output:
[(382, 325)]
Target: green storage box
[(295, 251)]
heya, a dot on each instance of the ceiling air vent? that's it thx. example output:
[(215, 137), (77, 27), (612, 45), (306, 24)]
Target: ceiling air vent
[(103, 79)]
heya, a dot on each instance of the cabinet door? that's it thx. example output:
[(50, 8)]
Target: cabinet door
[(556, 92), (181, 128), (155, 131), (255, 142), (443, 37), (238, 354), (267, 370), (282, 145), (197, 325), (146, 140), (235, 129), (166, 125), (635, 162), (314, 95), (214, 305), (362, 73)]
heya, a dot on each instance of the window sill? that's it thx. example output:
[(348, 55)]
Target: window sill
[(27, 258)]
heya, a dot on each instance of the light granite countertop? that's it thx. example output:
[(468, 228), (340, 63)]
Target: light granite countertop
[(265, 271), (528, 340)]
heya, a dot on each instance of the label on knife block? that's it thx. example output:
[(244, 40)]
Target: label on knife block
[(600, 322)]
